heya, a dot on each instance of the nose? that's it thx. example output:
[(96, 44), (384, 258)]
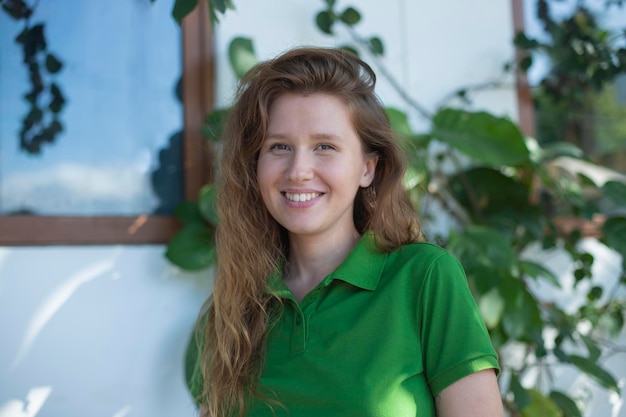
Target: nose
[(300, 166)]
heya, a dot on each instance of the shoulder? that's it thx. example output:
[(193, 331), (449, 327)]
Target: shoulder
[(424, 264), (423, 254)]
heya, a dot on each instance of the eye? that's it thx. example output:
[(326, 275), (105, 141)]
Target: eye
[(278, 147), (325, 147)]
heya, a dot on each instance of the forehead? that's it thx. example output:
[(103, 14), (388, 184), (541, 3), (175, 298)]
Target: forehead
[(323, 110)]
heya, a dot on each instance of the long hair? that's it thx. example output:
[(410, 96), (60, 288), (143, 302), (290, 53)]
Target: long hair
[(251, 244)]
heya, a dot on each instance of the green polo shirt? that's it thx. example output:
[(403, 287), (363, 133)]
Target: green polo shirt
[(379, 336)]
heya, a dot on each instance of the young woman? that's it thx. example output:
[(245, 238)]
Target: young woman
[(326, 300)]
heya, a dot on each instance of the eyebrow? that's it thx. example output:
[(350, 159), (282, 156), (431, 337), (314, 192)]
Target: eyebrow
[(317, 136)]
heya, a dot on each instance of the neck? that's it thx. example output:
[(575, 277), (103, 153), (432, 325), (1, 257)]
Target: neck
[(311, 259)]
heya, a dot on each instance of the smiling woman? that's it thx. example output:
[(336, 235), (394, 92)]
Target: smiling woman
[(332, 304), (125, 150)]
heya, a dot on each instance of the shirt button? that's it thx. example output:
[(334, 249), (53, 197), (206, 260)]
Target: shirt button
[(298, 320)]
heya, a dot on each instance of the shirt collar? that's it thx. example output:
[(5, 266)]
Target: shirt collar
[(362, 268)]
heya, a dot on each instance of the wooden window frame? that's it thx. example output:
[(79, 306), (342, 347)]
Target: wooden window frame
[(526, 110), (198, 85)]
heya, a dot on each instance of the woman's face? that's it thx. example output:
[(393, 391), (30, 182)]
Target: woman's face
[(311, 165)]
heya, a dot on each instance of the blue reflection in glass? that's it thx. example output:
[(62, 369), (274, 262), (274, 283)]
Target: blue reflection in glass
[(120, 151)]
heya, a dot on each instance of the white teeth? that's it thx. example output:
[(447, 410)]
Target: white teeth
[(301, 197)]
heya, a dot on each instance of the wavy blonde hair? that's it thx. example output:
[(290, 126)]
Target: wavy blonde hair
[(251, 244)]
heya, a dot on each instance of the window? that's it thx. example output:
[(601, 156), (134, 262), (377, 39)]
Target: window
[(577, 75), (125, 155)]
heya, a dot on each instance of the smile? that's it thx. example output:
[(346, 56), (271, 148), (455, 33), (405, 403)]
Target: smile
[(301, 197)]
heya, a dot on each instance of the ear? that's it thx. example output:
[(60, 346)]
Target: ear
[(369, 173)]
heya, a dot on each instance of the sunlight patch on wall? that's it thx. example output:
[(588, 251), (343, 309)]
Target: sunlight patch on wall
[(4, 252), (123, 412), (55, 301), (35, 399)]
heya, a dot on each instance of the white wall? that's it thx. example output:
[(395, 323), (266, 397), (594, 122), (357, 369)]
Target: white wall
[(95, 331), (101, 331), (432, 48)]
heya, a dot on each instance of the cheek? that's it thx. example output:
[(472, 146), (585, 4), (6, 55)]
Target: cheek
[(264, 175)]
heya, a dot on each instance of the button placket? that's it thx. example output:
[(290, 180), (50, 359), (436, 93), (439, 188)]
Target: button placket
[(302, 314), (298, 335)]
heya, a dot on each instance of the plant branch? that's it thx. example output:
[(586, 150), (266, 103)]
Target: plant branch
[(419, 108), (440, 193), (32, 12), (471, 193), (487, 85)]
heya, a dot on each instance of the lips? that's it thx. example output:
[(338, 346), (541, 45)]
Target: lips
[(301, 197)]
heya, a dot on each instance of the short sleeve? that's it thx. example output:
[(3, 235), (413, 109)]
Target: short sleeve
[(454, 337)]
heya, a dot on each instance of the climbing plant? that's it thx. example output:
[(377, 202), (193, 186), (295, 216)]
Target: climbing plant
[(509, 199), (42, 123)]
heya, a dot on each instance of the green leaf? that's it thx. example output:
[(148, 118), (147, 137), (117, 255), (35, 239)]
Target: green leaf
[(612, 322), (222, 5), (213, 127), (540, 406), (218, 6), (57, 100), (182, 8), (242, 56), (349, 48), (614, 230), (595, 372), (414, 176), (491, 306), (559, 149), (55, 127), (34, 116), (206, 203), (483, 245), (325, 21), (522, 318), (615, 191), (350, 16), (521, 396), (524, 42), (592, 348), (536, 270), (595, 293), (188, 212), (17, 9), (526, 62), (192, 248), (400, 123), (482, 136), (376, 46), (53, 65), (585, 181), (492, 192), (33, 40), (566, 404)]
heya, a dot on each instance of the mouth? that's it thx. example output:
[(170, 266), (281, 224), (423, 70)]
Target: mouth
[(300, 197)]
